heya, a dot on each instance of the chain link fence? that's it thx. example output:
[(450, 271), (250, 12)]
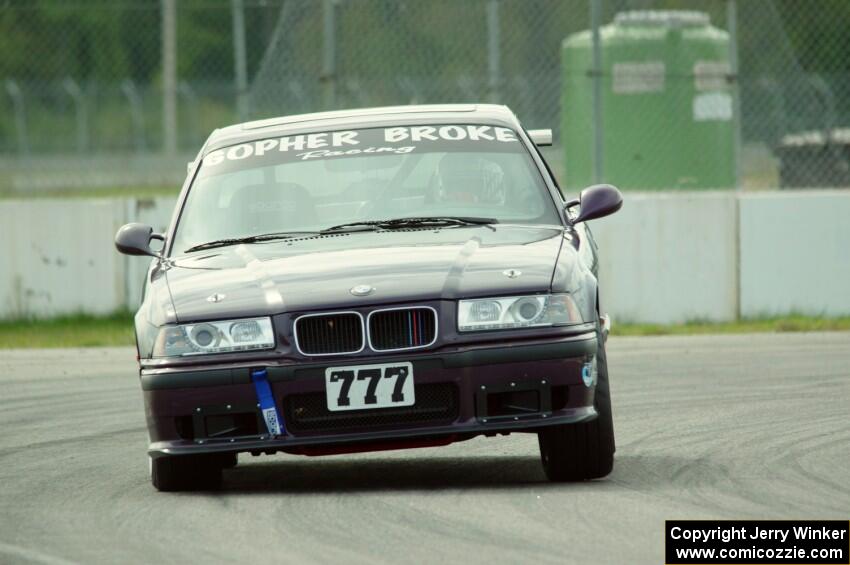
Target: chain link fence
[(88, 98)]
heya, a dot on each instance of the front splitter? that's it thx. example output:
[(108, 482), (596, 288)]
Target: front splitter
[(264, 443)]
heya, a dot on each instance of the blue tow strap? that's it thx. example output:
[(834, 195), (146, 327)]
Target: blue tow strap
[(274, 423)]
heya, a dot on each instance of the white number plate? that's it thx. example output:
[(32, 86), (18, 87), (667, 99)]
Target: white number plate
[(369, 386)]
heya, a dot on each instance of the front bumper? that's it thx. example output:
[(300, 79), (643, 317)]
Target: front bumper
[(179, 402)]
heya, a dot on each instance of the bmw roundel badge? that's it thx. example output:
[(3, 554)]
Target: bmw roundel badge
[(362, 290)]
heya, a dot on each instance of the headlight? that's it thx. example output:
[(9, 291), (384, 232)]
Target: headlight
[(517, 312), (214, 337)]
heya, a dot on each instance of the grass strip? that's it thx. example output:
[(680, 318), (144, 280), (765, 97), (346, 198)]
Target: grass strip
[(790, 323), (78, 330)]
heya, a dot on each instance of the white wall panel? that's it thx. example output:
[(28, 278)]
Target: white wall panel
[(669, 258), (58, 257), (665, 257), (795, 253)]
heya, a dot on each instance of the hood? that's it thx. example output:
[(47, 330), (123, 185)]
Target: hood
[(317, 273)]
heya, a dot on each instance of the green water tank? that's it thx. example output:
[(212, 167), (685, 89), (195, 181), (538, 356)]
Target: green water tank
[(667, 105)]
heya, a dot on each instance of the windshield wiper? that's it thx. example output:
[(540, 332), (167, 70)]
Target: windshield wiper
[(396, 223), (400, 223), (249, 239)]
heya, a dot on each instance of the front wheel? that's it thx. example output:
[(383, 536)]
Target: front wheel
[(580, 452), (186, 472)]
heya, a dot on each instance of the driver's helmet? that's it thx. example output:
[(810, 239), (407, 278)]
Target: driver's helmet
[(467, 179)]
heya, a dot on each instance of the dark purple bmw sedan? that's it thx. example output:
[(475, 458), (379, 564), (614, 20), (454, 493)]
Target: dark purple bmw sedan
[(372, 279)]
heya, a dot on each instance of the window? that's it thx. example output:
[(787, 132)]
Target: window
[(313, 181)]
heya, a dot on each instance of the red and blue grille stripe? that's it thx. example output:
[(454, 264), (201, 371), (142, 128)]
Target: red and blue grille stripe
[(402, 329)]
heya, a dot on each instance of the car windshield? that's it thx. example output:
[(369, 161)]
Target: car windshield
[(310, 182)]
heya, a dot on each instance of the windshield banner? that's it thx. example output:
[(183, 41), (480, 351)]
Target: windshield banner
[(350, 143)]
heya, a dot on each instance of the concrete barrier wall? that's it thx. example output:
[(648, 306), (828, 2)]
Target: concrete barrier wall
[(665, 257), (668, 258), (795, 253), (57, 256)]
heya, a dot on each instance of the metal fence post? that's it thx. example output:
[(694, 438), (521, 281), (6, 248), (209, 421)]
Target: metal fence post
[(240, 66), (596, 73), (137, 116), (191, 105), (735, 83), (15, 94), (493, 53), (329, 54), (76, 94), (169, 76)]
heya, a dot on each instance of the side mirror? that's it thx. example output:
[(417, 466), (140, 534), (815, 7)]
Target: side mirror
[(597, 201), (135, 239), (540, 137)]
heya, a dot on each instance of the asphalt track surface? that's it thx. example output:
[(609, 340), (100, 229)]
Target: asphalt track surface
[(754, 426)]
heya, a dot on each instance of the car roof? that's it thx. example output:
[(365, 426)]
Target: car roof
[(364, 117)]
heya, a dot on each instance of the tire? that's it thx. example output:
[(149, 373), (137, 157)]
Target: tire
[(585, 451), (187, 472), (229, 460)]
